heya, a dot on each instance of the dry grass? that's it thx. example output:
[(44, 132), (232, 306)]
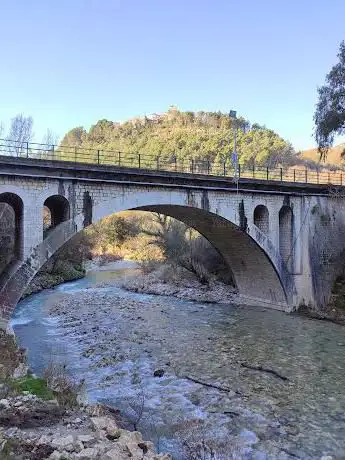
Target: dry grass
[(65, 387)]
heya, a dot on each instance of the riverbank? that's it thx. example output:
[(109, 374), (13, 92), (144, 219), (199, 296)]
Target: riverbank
[(55, 274), (169, 280), (42, 422), (166, 279)]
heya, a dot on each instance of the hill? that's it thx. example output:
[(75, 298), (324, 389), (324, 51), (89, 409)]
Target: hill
[(334, 156), (187, 135)]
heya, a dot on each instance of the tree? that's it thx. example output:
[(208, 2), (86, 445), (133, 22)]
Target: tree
[(329, 116), (74, 137), (50, 138), (179, 136), (20, 132)]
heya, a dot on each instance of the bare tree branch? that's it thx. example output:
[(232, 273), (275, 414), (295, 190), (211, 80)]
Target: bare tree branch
[(50, 138), (20, 133)]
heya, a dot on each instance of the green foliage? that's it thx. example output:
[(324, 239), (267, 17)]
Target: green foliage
[(75, 137), (112, 231), (118, 230), (330, 110), (35, 386), (182, 136)]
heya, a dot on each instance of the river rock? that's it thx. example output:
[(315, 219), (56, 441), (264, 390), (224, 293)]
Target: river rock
[(88, 453), (56, 455), (86, 439), (113, 433), (114, 453), (20, 371), (249, 437), (102, 423), (159, 373), (63, 442), (4, 403)]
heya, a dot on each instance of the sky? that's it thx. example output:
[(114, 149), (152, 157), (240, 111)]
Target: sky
[(70, 63)]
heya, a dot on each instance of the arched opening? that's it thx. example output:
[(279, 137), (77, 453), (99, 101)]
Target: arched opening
[(261, 218), (286, 236), (11, 229), (255, 274), (56, 210), (255, 277)]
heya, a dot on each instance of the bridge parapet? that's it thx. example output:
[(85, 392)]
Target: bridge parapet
[(114, 159)]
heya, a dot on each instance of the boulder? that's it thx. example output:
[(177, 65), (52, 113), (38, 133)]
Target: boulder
[(20, 371), (63, 442), (104, 422), (87, 439), (113, 433), (115, 453), (88, 453)]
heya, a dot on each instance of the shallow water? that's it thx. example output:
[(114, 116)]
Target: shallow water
[(116, 339)]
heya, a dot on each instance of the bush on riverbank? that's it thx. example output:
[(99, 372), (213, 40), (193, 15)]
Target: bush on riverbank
[(186, 248)]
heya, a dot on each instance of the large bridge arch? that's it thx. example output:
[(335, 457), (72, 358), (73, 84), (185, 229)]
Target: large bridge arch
[(255, 265)]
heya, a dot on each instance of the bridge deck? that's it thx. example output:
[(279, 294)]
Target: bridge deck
[(43, 168)]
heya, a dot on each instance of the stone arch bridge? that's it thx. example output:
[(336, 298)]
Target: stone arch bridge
[(283, 242)]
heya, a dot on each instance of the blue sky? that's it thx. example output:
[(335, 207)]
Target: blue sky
[(71, 62)]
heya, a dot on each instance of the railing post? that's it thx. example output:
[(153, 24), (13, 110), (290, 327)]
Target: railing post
[(341, 178), (192, 165), (75, 154), (317, 175), (281, 174), (208, 167), (27, 150), (239, 171), (119, 158), (175, 164), (139, 162), (306, 175), (224, 167), (253, 171), (157, 163), (329, 177), (294, 175), (267, 173), (98, 156)]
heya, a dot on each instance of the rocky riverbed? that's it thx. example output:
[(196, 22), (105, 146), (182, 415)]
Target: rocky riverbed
[(170, 280), (34, 429), (248, 383)]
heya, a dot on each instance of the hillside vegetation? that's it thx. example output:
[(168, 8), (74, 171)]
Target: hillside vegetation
[(187, 135), (335, 155)]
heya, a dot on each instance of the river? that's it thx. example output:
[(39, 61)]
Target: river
[(277, 380)]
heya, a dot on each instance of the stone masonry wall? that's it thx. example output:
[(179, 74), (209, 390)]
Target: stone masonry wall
[(226, 218)]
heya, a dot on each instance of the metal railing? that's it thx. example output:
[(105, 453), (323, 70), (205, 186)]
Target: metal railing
[(118, 159)]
